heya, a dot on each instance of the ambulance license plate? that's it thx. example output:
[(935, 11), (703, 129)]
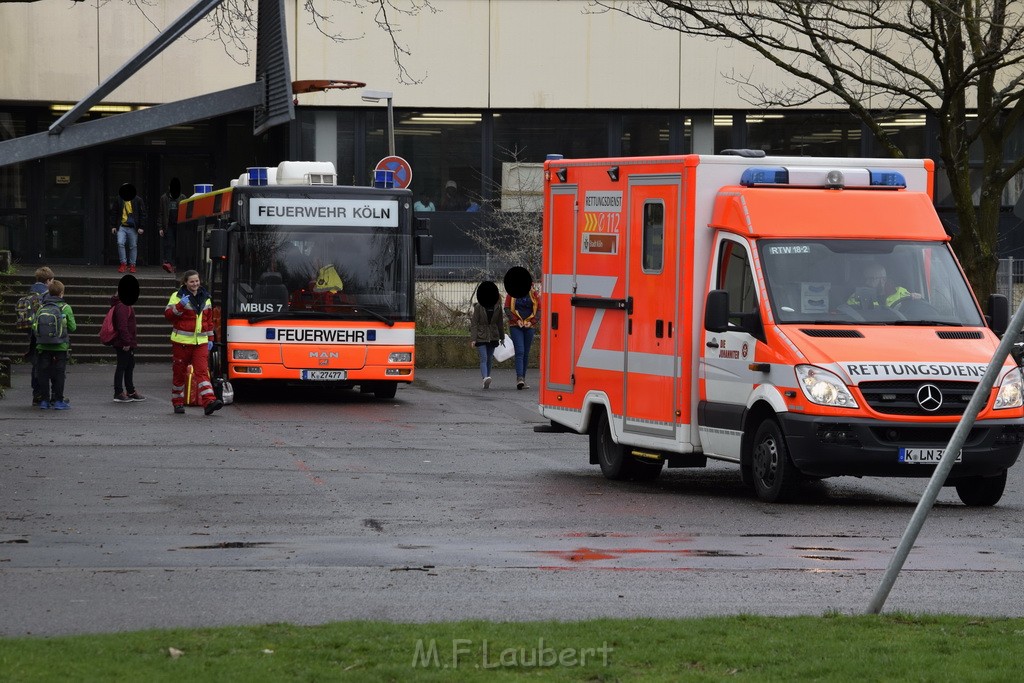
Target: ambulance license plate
[(926, 456), (324, 375)]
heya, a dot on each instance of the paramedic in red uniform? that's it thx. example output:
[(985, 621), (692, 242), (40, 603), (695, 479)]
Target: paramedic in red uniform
[(190, 311)]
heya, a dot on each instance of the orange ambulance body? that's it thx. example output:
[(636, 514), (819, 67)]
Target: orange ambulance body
[(731, 307)]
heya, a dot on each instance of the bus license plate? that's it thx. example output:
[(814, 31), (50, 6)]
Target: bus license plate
[(927, 456), (324, 375)]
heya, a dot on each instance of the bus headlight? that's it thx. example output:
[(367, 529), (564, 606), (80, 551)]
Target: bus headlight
[(823, 387), (1010, 391), (400, 357), (244, 354)]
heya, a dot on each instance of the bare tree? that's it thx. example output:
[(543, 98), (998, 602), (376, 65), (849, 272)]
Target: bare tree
[(512, 231), (233, 24), (959, 61)]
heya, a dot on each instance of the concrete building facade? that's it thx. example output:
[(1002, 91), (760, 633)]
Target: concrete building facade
[(485, 83)]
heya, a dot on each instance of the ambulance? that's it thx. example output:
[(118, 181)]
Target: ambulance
[(799, 317), (313, 282)]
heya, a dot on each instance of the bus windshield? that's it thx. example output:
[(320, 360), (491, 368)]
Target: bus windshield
[(882, 282), (352, 272)]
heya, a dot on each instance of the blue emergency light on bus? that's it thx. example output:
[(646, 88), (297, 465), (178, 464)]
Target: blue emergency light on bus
[(383, 179), (258, 175)]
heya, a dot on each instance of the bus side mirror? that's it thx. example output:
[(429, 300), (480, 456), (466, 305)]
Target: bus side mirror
[(424, 250), (424, 242), (217, 241), (998, 313), (716, 311)]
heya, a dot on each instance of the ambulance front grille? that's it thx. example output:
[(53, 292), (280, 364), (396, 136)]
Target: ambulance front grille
[(901, 397)]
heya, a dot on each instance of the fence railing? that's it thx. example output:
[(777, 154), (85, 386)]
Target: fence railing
[(1010, 281), (445, 290)]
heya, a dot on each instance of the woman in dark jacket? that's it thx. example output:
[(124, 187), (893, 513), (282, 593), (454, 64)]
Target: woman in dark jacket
[(486, 327), (125, 340)]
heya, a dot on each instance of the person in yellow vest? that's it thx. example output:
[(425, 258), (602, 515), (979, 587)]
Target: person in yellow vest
[(190, 311), (886, 292)]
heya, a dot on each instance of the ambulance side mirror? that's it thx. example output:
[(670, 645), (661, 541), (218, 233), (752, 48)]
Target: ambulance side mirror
[(998, 313), (716, 311), (716, 316)]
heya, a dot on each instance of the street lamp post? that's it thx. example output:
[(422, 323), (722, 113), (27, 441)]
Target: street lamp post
[(377, 96)]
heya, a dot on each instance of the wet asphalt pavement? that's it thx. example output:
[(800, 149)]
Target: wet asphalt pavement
[(442, 504)]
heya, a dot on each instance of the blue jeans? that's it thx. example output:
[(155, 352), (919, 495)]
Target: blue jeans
[(486, 352), (522, 338), (130, 236)]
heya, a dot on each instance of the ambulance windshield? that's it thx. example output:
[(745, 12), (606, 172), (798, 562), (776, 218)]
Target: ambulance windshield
[(881, 282), (361, 273)]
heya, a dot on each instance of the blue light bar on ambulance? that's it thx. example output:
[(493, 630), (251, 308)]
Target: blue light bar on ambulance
[(764, 175), (812, 176)]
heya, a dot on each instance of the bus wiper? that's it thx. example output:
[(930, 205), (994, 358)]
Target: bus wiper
[(290, 315), (926, 323), (387, 321)]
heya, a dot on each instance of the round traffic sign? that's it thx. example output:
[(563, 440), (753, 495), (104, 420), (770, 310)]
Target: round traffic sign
[(399, 166)]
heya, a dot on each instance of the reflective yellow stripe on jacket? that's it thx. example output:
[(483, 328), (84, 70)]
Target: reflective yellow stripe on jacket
[(194, 336)]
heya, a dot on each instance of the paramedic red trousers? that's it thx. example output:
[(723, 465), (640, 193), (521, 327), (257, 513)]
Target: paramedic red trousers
[(197, 356)]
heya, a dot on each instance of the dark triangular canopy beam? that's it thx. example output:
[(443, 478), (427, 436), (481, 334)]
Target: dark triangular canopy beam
[(269, 97)]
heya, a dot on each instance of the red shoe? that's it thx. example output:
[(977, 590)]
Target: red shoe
[(131, 268), (168, 267), (121, 268)]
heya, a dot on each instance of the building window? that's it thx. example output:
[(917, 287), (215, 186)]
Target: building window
[(645, 135), (817, 134)]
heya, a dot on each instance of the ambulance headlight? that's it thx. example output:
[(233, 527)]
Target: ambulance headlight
[(823, 387), (1011, 393), (245, 354)]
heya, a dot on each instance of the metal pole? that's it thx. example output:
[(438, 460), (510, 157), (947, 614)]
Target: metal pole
[(391, 129), (956, 442)]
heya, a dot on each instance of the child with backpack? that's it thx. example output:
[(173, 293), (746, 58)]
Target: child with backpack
[(52, 324), (26, 308)]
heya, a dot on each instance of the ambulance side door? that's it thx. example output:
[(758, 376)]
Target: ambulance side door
[(652, 286), (728, 378)]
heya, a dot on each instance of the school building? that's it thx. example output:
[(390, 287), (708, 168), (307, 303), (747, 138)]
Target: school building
[(485, 82)]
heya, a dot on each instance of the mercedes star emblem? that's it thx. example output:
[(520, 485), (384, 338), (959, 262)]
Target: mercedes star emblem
[(929, 397)]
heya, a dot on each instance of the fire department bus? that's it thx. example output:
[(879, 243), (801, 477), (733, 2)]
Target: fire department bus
[(314, 283)]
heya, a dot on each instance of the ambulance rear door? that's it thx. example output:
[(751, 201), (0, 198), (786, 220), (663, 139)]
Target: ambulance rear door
[(652, 287), (557, 330)]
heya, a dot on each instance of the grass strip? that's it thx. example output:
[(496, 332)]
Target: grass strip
[(893, 647)]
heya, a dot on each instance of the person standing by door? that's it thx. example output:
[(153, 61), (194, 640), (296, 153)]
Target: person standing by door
[(129, 219), (167, 223)]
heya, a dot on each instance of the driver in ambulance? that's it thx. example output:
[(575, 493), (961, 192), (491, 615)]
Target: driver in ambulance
[(883, 290)]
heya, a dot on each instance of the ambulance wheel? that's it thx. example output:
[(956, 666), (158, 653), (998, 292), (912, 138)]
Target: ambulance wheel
[(616, 462), (981, 491), (775, 475)]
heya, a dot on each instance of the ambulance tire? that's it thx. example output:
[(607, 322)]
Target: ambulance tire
[(615, 460), (775, 476), (981, 491)]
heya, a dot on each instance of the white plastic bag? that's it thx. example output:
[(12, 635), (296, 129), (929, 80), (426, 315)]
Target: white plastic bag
[(504, 350)]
